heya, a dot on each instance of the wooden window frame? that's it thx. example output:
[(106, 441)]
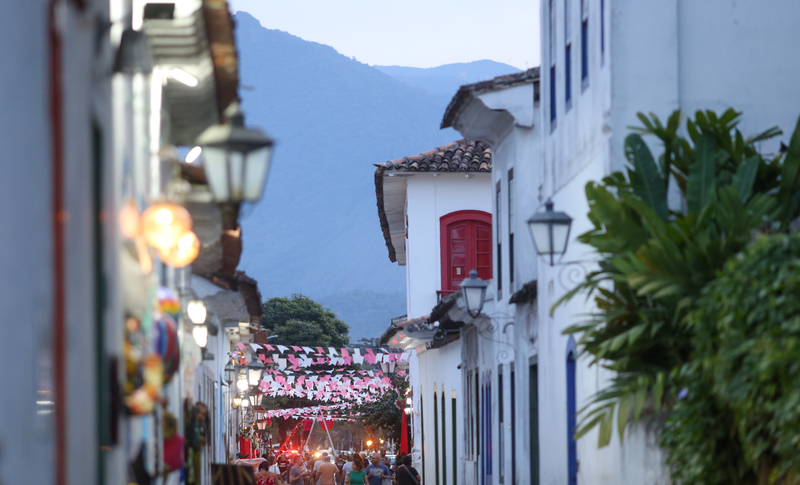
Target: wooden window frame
[(444, 239)]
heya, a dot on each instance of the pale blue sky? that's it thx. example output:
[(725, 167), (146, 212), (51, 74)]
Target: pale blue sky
[(417, 33)]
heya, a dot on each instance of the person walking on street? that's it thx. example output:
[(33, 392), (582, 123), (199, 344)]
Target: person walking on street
[(377, 472), (406, 474), (296, 474), (327, 471), (317, 464), (356, 476), (346, 468)]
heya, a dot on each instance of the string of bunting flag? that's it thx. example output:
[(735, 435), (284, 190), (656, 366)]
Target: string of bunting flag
[(295, 357)]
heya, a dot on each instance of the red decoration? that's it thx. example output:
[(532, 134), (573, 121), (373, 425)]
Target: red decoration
[(404, 436)]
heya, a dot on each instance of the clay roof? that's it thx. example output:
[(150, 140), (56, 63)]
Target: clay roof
[(458, 156), (500, 82)]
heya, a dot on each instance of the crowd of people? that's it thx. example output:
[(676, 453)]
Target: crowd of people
[(345, 469)]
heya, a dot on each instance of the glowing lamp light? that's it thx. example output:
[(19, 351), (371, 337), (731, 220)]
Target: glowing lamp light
[(408, 401), (245, 403), (164, 224), (200, 334), (407, 411), (193, 155), (237, 401), (184, 77), (184, 252), (318, 454), (242, 384), (196, 311), (381, 440), (369, 442), (254, 371)]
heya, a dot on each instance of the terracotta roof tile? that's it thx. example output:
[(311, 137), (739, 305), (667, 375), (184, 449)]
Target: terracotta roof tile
[(459, 156)]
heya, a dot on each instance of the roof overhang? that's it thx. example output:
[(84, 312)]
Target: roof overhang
[(390, 193), (198, 40), (489, 110)]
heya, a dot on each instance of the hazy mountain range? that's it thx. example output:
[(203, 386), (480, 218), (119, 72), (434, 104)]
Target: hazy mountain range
[(316, 230)]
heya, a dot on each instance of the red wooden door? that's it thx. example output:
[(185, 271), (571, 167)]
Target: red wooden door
[(466, 245)]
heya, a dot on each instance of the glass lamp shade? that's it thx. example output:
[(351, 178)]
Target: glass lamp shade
[(183, 252), (242, 384), (255, 399), (407, 410), (237, 401), (474, 291), (196, 311), (200, 334), (408, 401), (387, 367), (550, 231), (164, 224), (236, 159), (245, 403), (230, 373), (261, 426), (254, 374)]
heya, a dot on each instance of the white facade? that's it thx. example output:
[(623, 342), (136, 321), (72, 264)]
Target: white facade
[(416, 202), (653, 58)]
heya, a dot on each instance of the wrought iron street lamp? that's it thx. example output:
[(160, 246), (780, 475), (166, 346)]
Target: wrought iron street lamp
[(236, 159), (196, 311), (474, 291), (254, 371), (230, 373), (200, 334), (550, 231), (388, 367)]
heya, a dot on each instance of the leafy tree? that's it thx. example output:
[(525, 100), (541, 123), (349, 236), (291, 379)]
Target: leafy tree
[(739, 421), (299, 320), (384, 414), (655, 259)]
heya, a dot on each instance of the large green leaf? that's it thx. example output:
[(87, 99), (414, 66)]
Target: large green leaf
[(746, 176), (702, 174), (648, 183), (791, 166)]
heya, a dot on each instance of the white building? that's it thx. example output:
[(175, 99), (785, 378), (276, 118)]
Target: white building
[(500, 354), (93, 113), (602, 62), (434, 210)]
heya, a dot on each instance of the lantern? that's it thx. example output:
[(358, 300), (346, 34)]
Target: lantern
[(236, 159), (230, 373), (550, 231), (474, 291), (164, 224), (200, 334), (184, 252), (196, 311)]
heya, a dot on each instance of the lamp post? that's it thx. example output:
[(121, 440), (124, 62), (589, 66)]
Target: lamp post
[(236, 159), (254, 370), (550, 231), (474, 291), (230, 373)]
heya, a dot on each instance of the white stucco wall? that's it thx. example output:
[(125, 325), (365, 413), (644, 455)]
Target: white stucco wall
[(659, 57), (429, 197)]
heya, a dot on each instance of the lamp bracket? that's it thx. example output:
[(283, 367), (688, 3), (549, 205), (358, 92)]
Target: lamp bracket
[(571, 273)]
